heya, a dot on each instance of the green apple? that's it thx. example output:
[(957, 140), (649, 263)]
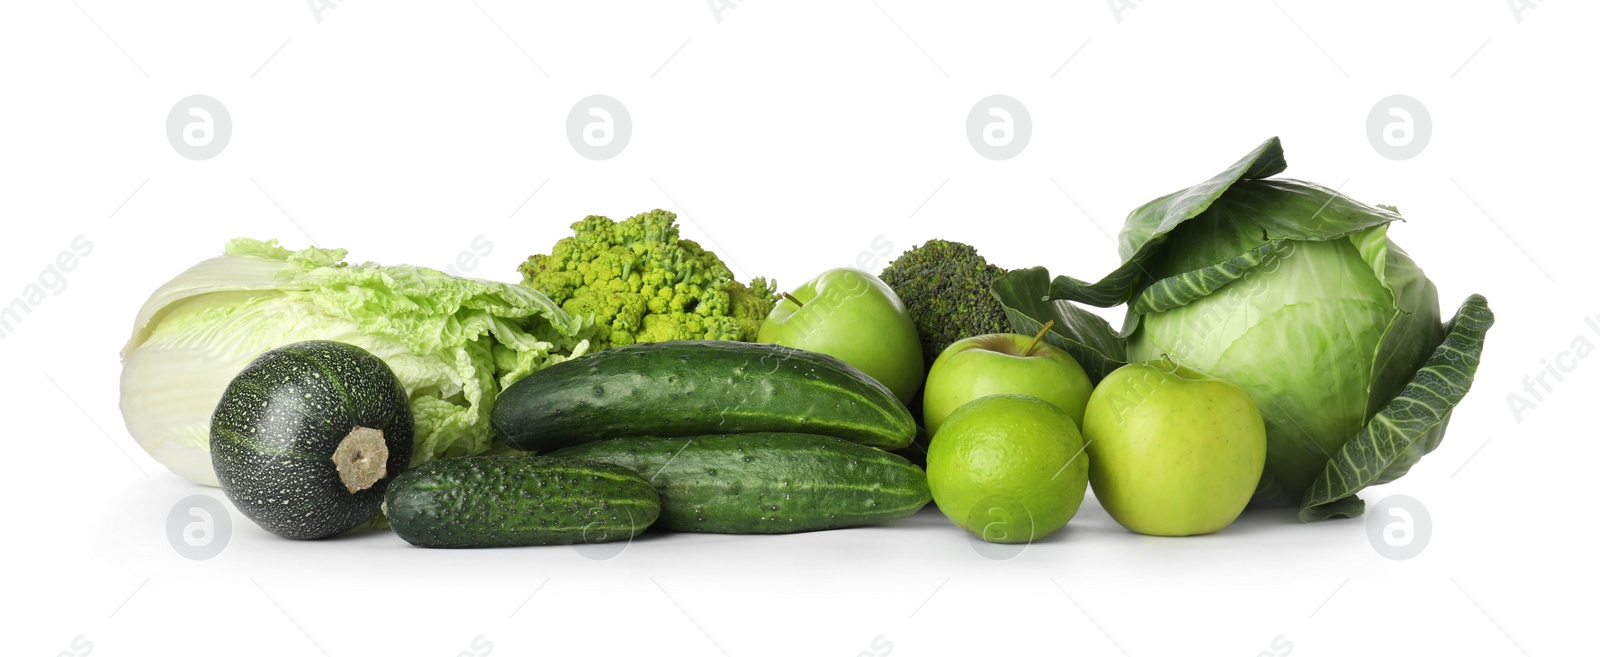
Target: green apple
[(851, 315), (1003, 363), (1008, 468), (1173, 452)]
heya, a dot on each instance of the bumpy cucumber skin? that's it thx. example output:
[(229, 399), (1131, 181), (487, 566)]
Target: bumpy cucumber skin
[(274, 432), (766, 483), (698, 387), (516, 500)]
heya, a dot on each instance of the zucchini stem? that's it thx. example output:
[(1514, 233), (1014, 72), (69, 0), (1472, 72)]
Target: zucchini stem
[(362, 459)]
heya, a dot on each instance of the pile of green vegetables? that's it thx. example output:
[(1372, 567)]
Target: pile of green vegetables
[(619, 388), (709, 441), (320, 394), (312, 439)]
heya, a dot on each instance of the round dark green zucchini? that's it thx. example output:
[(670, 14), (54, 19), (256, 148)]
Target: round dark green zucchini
[(307, 438)]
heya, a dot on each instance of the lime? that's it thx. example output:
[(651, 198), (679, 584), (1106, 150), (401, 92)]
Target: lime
[(1008, 468)]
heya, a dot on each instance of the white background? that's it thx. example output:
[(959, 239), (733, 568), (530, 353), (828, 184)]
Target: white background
[(789, 136)]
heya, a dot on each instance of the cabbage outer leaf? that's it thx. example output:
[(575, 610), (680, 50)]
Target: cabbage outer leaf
[(1025, 295), (1409, 426)]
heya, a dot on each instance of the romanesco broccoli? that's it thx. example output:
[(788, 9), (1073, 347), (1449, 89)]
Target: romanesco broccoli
[(644, 284)]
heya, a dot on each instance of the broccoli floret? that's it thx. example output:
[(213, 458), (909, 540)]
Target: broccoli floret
[(945, 286), (644, 284)]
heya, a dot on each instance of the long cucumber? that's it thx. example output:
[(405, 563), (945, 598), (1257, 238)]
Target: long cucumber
[(692, 388), (766, 483)]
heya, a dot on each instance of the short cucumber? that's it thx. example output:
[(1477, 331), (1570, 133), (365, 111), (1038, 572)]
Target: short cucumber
[(766, 483), (692, 388), (518, 499)]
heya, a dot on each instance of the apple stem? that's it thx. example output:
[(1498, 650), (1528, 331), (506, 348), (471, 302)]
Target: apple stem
[(1037, 338), (1171, 366), (790, 297)]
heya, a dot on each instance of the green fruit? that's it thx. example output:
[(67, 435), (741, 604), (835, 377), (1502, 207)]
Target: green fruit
[(518, 499), (305, 440), (1008, 468), (1173, 452), (766, 483), (1003, 363), (851, 315), (693, 388)]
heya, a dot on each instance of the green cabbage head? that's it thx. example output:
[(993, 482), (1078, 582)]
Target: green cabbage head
[(1295, 293), (1321, 334)]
